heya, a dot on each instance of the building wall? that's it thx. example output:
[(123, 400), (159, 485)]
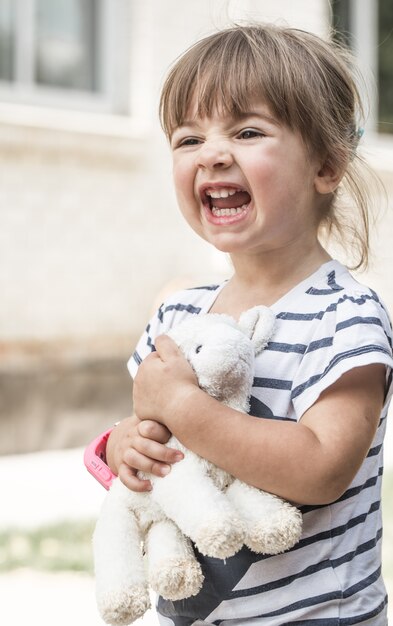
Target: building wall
[(87, 235), (89, 229)]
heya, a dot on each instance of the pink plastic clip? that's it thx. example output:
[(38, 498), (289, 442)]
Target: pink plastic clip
[(95, 457)]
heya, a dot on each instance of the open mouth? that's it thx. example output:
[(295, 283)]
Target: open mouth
[(226, 201)]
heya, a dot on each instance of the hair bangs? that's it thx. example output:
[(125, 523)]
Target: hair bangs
[(225, 78)]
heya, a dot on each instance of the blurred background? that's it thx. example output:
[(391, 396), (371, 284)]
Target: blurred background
[(90, 240)]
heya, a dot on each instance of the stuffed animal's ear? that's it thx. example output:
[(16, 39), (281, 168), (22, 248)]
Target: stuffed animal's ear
[(258, 324)]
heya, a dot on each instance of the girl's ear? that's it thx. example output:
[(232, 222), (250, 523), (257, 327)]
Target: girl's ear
[(258, 324), (328, 178)]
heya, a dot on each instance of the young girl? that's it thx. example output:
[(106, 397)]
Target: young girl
[(263, 124)]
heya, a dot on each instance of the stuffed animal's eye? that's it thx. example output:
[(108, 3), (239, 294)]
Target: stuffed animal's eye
[(198, 349)]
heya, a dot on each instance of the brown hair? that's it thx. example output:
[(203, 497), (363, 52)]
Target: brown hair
[(308, 84)]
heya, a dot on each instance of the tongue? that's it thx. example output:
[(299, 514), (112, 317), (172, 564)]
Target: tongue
[(231, 202)]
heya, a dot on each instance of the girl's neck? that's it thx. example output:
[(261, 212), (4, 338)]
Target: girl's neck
[(275, 268), (265, 279)]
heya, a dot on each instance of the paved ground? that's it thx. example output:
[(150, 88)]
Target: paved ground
[(52, 486), (42, 599), (43, 488)]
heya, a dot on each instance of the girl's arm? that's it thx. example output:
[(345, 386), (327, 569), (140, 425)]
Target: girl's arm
[(312, 461), (134, 445)]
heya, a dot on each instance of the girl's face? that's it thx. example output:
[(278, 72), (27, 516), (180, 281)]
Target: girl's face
[(245, 184)]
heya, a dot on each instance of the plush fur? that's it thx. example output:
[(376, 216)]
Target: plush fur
[(196, 502)]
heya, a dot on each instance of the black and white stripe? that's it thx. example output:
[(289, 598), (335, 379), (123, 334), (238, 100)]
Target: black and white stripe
[(326, 325)]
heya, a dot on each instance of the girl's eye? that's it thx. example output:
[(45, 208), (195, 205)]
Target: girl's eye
[(189, 141), (250, 133)]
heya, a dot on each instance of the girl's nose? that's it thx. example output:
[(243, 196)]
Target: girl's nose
[(214, 155)]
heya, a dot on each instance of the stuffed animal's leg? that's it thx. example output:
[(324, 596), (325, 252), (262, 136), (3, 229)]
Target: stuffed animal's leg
[(121, 586), (272, 524), (173, 571), (202, 512)]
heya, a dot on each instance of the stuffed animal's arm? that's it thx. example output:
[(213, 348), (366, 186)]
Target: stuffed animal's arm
[(272, 525), (188, 496)]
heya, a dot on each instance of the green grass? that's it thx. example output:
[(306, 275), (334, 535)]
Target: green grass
[(61, 547), (67, 546)]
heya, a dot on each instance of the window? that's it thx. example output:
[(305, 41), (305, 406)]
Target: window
[(6, 39), (385, 73), (68, 53), (65, 44), (367, 27), (341, 21)]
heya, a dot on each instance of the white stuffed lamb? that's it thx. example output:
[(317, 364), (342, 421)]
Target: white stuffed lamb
[(196, 501)]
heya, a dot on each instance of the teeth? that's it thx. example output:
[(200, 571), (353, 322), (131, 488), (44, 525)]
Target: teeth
[(220, 193), (227, 212)]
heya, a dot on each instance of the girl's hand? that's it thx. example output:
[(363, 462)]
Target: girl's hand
[(163, 382), (135, 446)]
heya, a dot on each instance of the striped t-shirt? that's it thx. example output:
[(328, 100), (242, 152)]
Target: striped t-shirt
[(326, 325)]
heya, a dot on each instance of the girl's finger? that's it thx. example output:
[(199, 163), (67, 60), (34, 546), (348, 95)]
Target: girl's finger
[(156, 451), (129, 478), (166, 347), (142, 463), (154, 430)]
